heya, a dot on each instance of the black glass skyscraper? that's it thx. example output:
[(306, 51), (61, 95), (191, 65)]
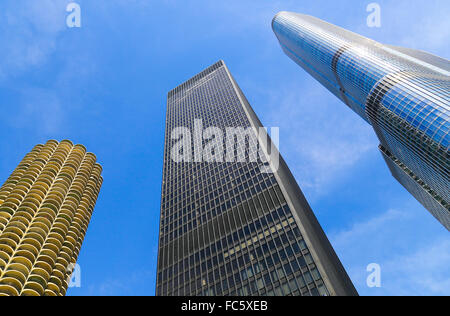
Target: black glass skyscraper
[(227, 228), (403, 93)]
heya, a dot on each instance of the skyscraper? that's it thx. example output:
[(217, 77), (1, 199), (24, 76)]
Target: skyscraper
[(228, 228), (403, 93), (45, 208)]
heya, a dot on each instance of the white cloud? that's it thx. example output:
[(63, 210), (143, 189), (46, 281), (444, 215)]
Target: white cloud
[(424, 26), (317, 130), (29, 30), (411, 247), (423, 272), (431, 33), (122, 285)]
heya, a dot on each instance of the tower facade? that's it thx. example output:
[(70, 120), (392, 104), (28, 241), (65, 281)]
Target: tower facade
[(227, 227), (403, 93), (45, 208)]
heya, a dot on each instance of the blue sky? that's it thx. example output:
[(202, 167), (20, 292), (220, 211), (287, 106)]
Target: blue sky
[(104, 85)]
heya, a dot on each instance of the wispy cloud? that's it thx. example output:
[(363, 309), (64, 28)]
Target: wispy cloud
[(431, 32), (29, 30), (318, 130), (413, 256), (423, 272), (123, 285), (138, 281), (32, 37), (424, 26)]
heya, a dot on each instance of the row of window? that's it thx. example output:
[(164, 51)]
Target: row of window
[(202, 210), (225, 227), (271, 252)]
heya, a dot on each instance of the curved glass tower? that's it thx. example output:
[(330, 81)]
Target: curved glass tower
[(403, 93), (45, 208)]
